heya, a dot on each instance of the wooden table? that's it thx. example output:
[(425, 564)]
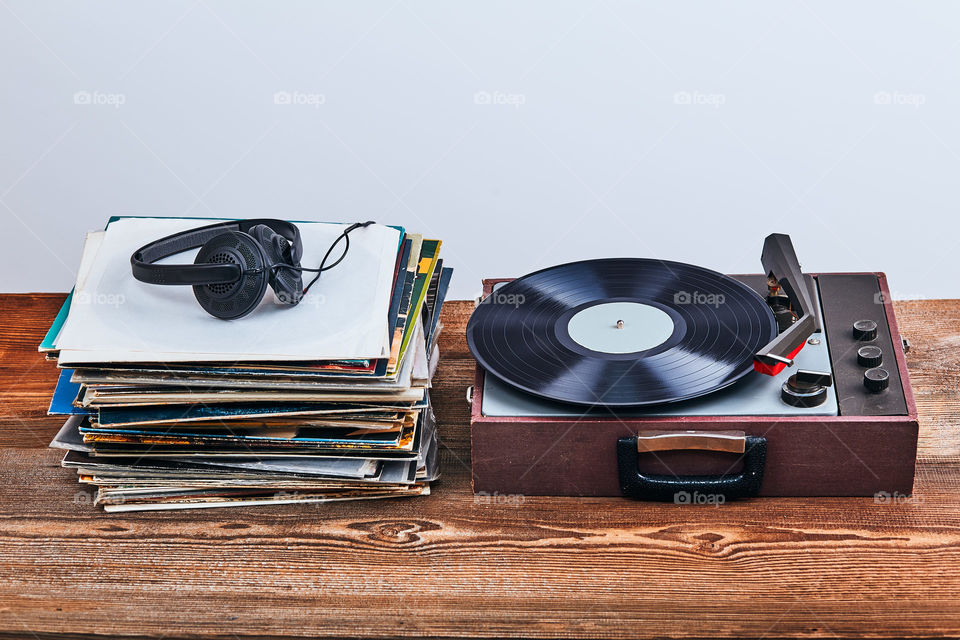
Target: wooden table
[(447, 565)]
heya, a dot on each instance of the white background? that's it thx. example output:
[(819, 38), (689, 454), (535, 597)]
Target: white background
[(522, 133)]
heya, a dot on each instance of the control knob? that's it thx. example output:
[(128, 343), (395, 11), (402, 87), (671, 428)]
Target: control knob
[(806, 388), (876, 379), (864, 330), (869, 356)]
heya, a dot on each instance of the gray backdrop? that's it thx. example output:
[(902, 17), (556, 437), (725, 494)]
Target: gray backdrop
[(522, 133)]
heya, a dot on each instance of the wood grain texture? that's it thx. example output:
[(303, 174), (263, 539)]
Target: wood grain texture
[(453, 565)]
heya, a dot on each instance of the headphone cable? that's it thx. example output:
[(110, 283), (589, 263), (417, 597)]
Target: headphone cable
[(323, 263)]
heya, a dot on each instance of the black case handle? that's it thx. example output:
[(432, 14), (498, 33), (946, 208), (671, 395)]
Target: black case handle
[(663, 488)]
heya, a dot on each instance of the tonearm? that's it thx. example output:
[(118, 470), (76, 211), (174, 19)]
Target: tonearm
[(785, 280)]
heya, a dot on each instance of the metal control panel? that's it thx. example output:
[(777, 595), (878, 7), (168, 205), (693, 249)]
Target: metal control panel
[(854, 315)]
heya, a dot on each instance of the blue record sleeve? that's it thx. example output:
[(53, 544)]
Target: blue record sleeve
[(66, 392)]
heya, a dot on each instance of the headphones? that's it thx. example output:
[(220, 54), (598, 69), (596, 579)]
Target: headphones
[(236, 262)]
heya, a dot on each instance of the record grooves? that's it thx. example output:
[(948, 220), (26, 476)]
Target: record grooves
[(620, 332)]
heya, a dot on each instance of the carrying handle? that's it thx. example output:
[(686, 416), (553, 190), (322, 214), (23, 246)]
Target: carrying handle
[(679, 489)]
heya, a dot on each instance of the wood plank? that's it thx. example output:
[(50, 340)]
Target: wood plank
[(27, 380), (453, 564), (931, 326)]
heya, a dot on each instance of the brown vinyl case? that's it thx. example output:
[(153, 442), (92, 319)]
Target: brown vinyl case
[(843, 455)]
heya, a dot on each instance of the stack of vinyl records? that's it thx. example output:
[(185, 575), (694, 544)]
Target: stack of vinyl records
[(169, 407)]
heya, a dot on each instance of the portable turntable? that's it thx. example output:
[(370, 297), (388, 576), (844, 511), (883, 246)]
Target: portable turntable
[(666, 381)]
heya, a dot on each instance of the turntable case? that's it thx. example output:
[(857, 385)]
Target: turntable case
[(843, 455)]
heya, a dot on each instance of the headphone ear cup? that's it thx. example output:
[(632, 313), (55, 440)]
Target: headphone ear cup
[(287, 284), (232, 300)]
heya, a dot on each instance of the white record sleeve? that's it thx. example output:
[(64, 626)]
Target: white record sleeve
[(115, 318)]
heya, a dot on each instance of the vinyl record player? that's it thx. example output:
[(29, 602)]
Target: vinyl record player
[(665, 381)]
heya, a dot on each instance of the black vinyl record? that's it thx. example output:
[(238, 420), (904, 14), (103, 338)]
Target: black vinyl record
[(620, 332)]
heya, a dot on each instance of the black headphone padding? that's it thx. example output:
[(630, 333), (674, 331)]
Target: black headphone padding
[(232, 300), (286, 283)]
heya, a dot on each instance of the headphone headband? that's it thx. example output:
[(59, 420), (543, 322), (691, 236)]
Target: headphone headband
[(144, 269)]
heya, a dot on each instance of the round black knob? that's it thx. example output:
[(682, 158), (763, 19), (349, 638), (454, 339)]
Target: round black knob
[(864, 329), (876, 380), (806, 389), (870, 356)]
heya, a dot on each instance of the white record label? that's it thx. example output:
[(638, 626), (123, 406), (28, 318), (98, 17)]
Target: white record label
[(620, 327)]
